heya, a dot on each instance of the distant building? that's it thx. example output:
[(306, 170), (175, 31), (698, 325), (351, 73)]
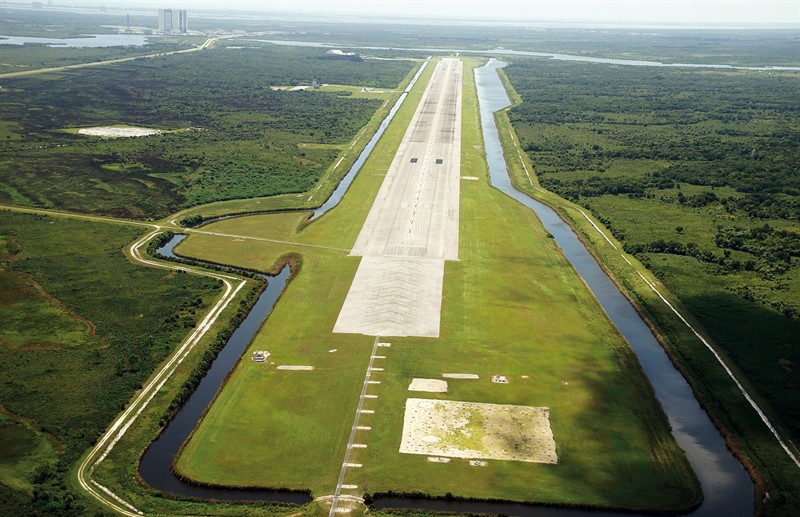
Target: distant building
[(183, 21), (337, 52), (165, 20), (173, 21)]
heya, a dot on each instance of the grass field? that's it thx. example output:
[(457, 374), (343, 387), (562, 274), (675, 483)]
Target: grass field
[(512, 306)]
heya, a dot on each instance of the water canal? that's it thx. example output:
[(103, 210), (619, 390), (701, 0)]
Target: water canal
[(727, 488), (155, 466)]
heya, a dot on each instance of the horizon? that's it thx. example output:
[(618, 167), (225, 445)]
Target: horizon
[(601, 13)]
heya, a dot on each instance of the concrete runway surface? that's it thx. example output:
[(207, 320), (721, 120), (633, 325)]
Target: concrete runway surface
[(412, 227)]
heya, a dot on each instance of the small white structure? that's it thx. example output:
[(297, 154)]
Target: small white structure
[(500, 379), (260, 356), (338, 52)]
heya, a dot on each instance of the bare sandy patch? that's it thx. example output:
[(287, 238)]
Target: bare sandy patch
[(429, 385), (470, 178), (295, 368), (118, 132), (475, 430)]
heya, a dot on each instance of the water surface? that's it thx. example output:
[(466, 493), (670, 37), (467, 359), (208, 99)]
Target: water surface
[(87, 41)]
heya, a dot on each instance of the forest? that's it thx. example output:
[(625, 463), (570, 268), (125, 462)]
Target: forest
[(227, 133)]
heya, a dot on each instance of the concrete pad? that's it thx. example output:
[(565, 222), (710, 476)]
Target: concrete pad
[(428, 385), (295, 368), (478, 431), (394, 296), (437, 459), (118, 132)]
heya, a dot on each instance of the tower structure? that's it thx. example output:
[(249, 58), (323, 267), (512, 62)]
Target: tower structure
[(183, 21)]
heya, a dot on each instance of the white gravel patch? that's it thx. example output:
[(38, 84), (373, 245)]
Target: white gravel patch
[(118, 132), (461, 376), (478, 431), (428, 385), (438, 459)]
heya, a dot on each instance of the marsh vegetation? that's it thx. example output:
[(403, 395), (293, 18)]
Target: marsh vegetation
[(695, 173), (228, 134)]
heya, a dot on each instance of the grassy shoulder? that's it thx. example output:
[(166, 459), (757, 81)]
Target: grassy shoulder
[(512, 305), (775, 475)]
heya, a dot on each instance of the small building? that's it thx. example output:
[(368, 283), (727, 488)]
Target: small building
[(260, 356)]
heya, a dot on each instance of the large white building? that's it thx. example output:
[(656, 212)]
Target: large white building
[(170, 20)]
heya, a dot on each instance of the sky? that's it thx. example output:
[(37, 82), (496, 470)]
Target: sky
[(685, 12)]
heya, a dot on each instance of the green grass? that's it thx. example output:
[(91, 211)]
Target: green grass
[(325, 275), (512, 305), (24, 451), (76, 273), (358, 91), (32, 318)]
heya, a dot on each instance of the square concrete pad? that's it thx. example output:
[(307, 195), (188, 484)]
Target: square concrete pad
[(476, 430), (429, 385)]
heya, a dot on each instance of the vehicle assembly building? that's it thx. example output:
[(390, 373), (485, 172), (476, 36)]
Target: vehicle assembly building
[(167, 19)]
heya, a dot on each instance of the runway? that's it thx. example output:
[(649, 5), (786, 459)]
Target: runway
[(412, 227)]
